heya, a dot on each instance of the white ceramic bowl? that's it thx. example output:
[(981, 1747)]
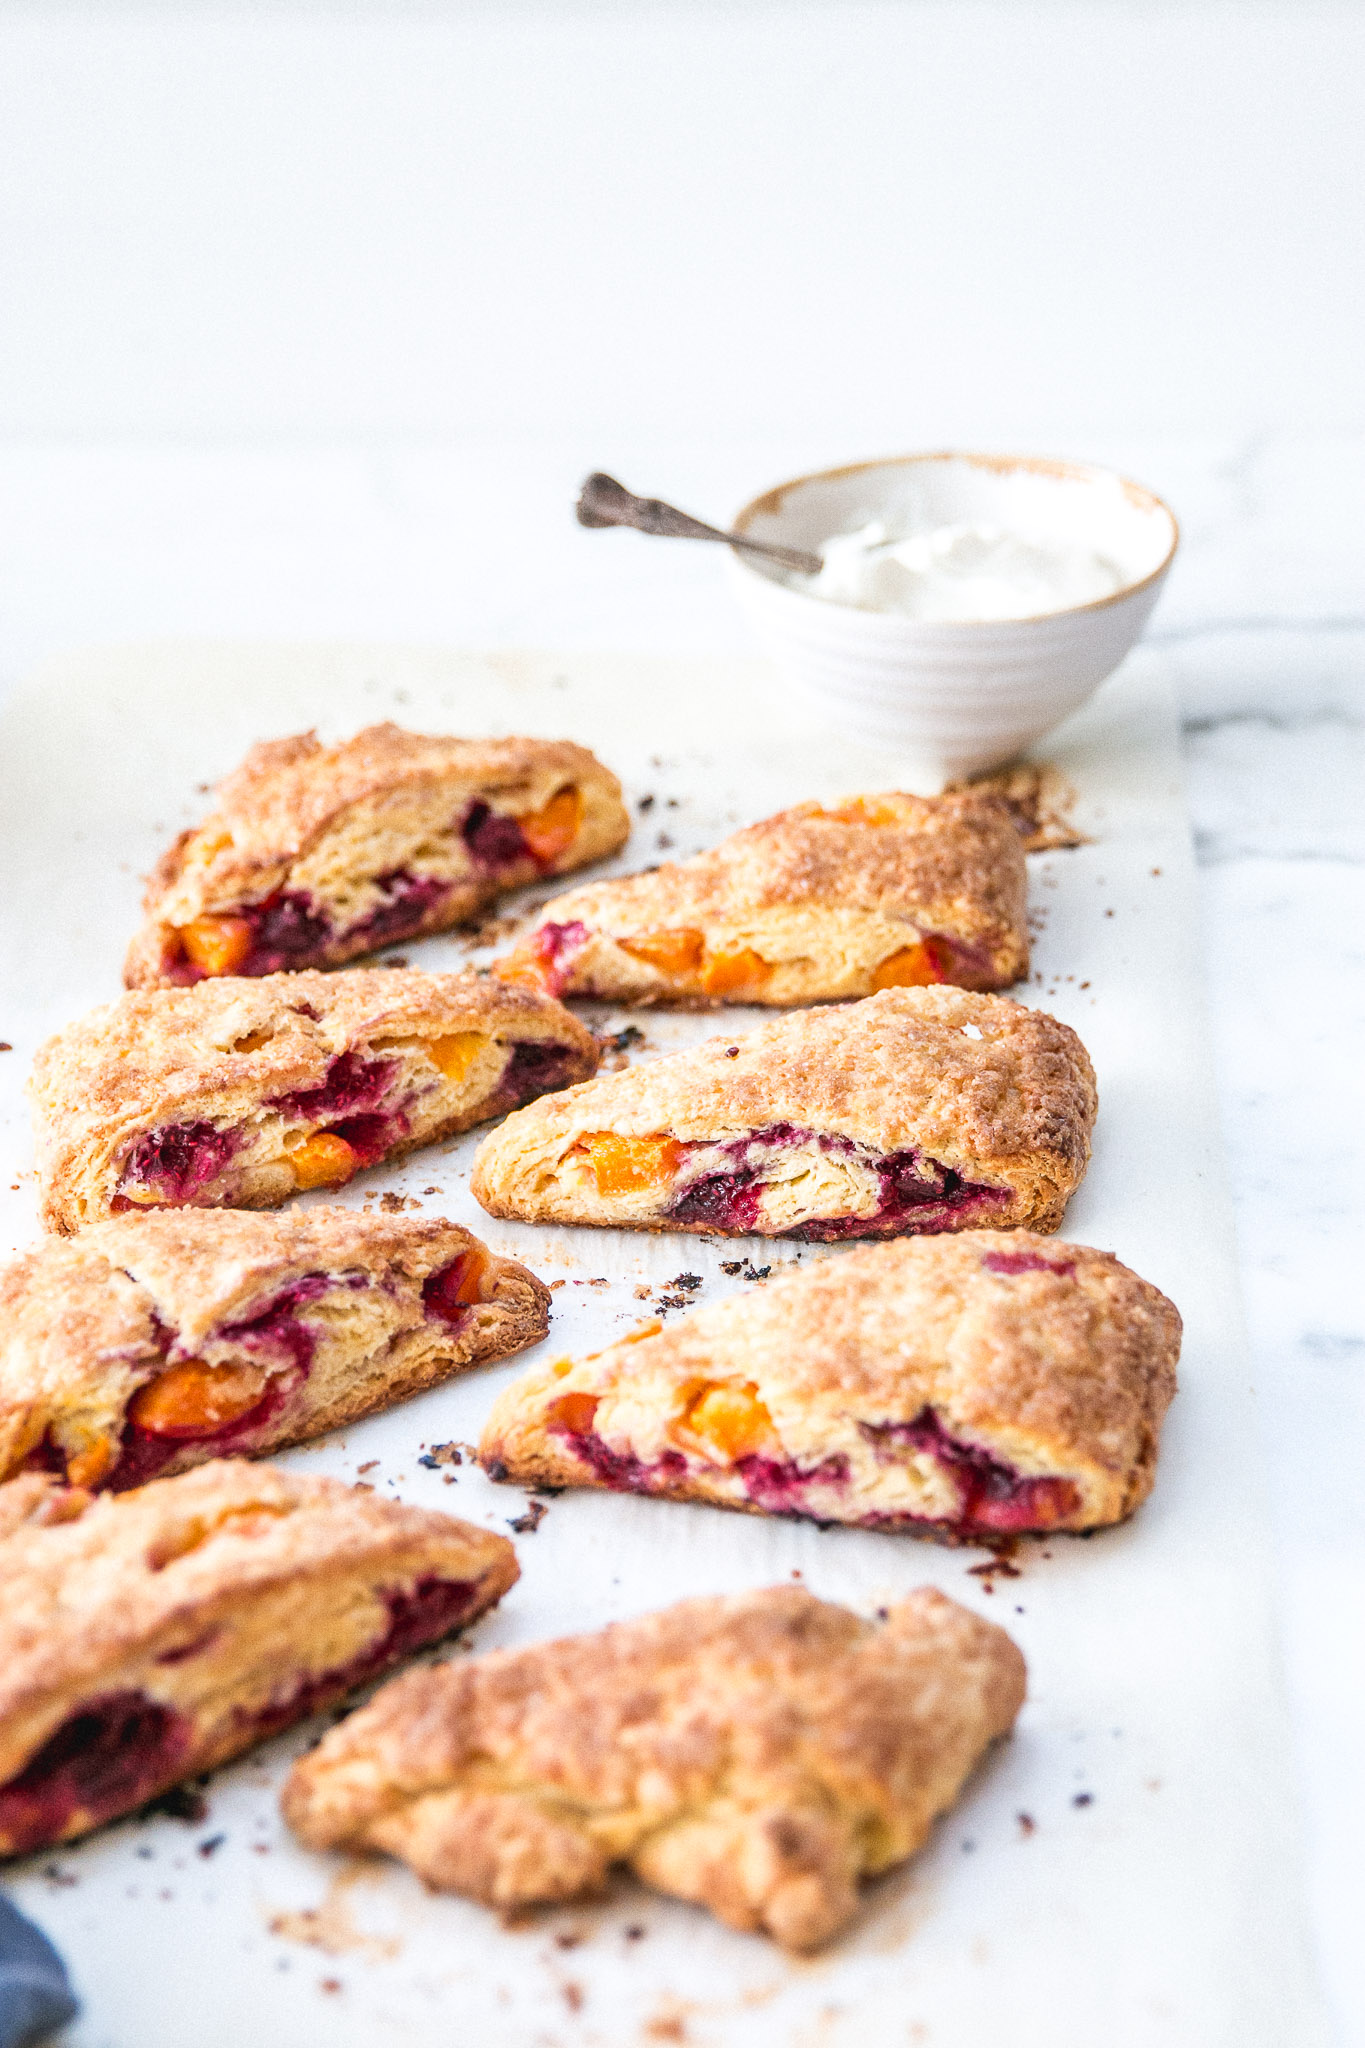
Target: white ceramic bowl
[(957, 698)]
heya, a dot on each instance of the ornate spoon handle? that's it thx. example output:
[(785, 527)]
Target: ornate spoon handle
[(604, 502)]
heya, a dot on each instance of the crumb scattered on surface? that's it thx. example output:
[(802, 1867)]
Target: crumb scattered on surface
[(526, 1524), (1083, 1799), (1027, 1824), (438, 1455), (368, 1466), (394, 1205)]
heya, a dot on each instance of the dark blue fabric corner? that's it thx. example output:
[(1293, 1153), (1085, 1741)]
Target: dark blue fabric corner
[(35, 1997)]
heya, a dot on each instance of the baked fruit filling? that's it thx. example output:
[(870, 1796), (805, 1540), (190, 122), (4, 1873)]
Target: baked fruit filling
[(295, 927), (724, 1432), (119, 1749), (243, 1398), (367, 1108), (114, 1752), (785, 1182)]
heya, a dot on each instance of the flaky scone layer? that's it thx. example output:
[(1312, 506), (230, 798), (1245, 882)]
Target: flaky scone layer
[(914, 1110), (238, 1092), (757, 1754), (885, 891), (157, 1340), (315, 855), (146, 1636), (973, 1386)]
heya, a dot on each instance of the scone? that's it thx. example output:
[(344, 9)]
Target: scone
[(236, 1093), (156, 1340), (888, 891), (756, 1754), (973, 1386), (315, 855), (916, 1110), (148, 1636)]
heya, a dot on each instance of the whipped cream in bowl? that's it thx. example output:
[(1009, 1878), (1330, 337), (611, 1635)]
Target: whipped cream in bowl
[(966, 603), (968, 569)]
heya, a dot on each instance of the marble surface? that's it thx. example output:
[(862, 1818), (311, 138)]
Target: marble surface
[(1263, 626)]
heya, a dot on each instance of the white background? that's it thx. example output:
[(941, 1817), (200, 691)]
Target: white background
[(311, 317)]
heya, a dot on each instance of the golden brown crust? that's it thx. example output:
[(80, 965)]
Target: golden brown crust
[(87, 1322), (842, 1382), (757, 1754), (330, 823), (1002, 1096), (227, 1053), (818, 903), (219, 1606)]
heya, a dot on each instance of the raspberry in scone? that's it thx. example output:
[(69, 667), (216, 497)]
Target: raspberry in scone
[(148, 1636), (916, 1110), (238, 1093), (758, 1754), (889, 891), (162, 1338), (316, 855), (974, 1386)]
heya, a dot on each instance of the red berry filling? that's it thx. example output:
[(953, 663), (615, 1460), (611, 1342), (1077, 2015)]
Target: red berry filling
[(495, 841), (534, 1067), (273, 1334), (107, 1757), (428, 1610), (119, 1750), (290, 930), (917, 1194), (177, 1162), (993, 1498)]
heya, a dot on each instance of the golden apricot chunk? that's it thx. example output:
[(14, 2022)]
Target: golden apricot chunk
[(552, 831), (862, 810), (462, 1281), (456, 1053), (93, 1462), (730, 1420), (575, 1413), (623, 1166), (524, 967), (323, 1161), (215, 945), (671, 952), (915, 966), (730, 974), (195, 1399)]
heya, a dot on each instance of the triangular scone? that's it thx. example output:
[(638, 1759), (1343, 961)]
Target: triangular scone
[(916, 1110), (315, 855), (235, 1094), (758, 1753), (158, 1340), (974, 1386), (148, 1636), (887, 891)]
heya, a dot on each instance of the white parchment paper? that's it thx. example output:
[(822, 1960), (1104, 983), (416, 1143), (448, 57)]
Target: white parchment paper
[(1124, 1871)]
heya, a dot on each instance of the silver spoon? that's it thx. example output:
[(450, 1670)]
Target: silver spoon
[(604, 502)]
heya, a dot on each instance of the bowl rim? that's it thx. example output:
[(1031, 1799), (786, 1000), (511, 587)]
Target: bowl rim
[(1057, 466)]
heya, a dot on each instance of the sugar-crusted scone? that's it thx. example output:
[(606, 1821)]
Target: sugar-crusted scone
[(237, 1093), (157, 1340), (148, 1636), (971, 1386), (757, 1754), (315, 855), (915, 1110), (888, 891)]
